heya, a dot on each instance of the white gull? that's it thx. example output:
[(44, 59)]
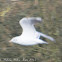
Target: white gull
[(29, 34)]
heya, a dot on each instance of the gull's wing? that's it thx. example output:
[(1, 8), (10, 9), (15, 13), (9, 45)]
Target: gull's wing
[(46, 36), (30, 20), (27, 25), (34, 20)]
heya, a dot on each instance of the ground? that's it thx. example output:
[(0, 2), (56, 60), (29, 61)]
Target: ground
[(11, 11)]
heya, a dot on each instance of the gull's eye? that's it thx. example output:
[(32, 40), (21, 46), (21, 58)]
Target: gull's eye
[(15, 39)]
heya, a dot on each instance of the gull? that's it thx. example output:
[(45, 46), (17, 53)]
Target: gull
[(29, 34)]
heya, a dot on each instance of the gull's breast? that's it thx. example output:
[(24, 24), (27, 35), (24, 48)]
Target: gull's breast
[(29, 41)]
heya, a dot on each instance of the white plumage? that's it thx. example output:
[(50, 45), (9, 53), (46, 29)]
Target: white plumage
[(29, 34)]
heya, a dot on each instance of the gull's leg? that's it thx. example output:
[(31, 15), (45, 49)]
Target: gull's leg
[(46, 36)]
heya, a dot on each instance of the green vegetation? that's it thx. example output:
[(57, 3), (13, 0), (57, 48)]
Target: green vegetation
[(11, 11)]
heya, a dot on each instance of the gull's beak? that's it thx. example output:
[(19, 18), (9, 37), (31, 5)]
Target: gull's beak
[(11, 44), (10, 41)]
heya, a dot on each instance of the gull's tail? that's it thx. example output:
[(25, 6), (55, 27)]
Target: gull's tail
[(46, 36)]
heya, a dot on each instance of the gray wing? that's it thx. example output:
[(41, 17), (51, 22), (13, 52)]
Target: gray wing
[(46, 36), (34, 20)]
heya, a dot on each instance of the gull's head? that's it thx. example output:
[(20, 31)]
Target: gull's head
[(13, 39)]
